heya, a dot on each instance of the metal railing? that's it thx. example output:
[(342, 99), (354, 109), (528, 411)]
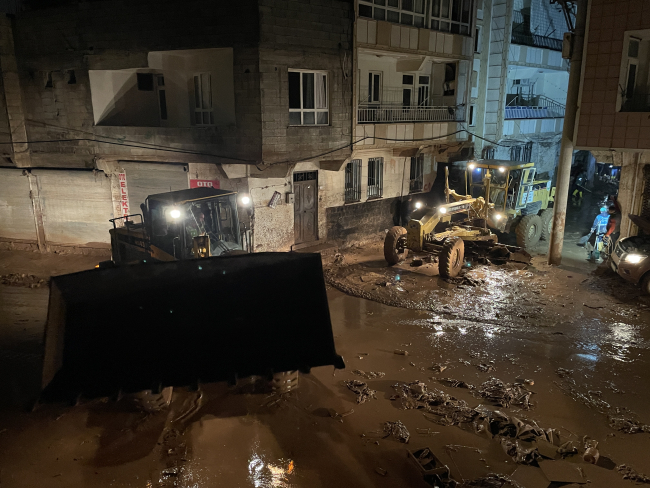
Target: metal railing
[(390, 114), (538, 107), (521, 34)]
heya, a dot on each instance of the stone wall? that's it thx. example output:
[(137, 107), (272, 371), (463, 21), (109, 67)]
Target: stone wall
[(363, 221)]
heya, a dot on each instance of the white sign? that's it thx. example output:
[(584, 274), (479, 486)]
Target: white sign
[(124, 194)]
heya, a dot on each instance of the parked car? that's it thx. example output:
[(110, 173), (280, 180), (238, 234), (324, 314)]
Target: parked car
[(631, 260)]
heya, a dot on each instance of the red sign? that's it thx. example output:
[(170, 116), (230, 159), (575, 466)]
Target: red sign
[(124, 195), (204, 183)]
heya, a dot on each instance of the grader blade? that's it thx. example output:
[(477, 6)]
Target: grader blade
[(148, 326)]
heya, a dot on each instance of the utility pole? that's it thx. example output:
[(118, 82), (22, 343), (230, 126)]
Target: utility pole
[(566, 148)]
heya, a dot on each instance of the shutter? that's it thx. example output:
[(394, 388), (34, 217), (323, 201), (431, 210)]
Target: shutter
[(76, 207), (16, 210), (144, 179)]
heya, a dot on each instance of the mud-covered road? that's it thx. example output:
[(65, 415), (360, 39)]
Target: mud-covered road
[(574, 340)]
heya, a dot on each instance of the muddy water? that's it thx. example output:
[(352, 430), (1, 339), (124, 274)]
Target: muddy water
[(230, 438)]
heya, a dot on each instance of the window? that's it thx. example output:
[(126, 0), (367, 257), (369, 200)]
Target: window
[(162, 98), (353, 181), (477, 39), (308, 98), (406, 12), (472, 111), (203, 114), (634, 89), (374, 87), (145, 81), (375, 177), (416, 180), (453, 16)]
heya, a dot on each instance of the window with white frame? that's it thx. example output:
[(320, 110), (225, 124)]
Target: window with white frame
[(472, 115), (375, 177), (416, 180), (162, 98), (453, 16), (308, 100), (406, 12), (203, 113), (353, 181), (634, 88)]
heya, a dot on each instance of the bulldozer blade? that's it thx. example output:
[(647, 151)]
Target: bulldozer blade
[(139, 327)]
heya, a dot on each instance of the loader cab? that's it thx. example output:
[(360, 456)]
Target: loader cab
[(176, 221)]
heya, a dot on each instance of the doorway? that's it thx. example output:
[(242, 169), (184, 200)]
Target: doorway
[(305, 208)]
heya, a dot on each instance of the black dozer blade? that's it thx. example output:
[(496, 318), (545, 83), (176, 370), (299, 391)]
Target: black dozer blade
[(140, 327)]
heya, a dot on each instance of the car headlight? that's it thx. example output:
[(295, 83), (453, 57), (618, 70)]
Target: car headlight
[(634, 258), (418, 205)]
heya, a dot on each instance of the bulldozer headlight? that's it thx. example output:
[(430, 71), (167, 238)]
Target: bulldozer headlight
[(175, 213), (442, 210), (245, 200), (498, 217), (471, 166), (418, 205), (634, 258), (502, 169)]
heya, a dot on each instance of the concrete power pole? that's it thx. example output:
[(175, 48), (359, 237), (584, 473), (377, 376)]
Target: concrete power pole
[(566, 148)]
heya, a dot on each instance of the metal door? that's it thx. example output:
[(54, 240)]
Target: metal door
[(305, 206)]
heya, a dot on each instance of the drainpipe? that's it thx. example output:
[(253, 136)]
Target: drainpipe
[(566, 148)]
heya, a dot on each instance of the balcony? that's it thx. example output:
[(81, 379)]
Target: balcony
[(521, 34), (404, 104), (537, 107)]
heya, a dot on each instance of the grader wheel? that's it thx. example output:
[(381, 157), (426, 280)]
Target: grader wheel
[(547, 223), (528, 231), (452, 257), (392, 253)]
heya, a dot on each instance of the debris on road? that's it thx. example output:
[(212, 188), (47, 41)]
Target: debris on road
[(22, 279), (450, 410), (485, 368), (505, 394), (398, 430), (628, 426), (370, 375), (428, 464), (631, 474), (362, 391), (439, 368), (456, 383), (381, 471), (401, 352)]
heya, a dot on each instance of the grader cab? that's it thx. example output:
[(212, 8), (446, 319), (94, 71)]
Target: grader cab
[(525, 201)]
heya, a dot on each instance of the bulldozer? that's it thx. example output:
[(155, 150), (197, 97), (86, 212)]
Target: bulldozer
[(180, 304), (525, 202), (178, 225)]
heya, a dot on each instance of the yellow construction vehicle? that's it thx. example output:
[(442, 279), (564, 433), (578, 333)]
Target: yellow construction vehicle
[(177, 225), (448, 243), (525, 202)]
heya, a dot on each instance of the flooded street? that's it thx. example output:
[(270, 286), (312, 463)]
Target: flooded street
[(575, 339)]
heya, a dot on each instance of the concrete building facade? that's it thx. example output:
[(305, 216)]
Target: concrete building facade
[(613, 119), (519, 81)]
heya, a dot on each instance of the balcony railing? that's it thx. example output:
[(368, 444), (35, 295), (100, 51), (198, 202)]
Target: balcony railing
[(538, 107), (521, 34), (384, 114), (405, 104)]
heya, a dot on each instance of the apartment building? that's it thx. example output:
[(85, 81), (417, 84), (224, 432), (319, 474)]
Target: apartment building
[(412, 60), (613, 119), (519, 81)]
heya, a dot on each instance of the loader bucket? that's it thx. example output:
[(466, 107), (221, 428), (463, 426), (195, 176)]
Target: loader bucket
[(153, 325)]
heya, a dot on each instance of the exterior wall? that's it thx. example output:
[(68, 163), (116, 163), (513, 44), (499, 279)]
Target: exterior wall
[(58, 108), (599, 123)]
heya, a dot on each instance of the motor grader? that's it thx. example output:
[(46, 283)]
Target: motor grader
[(436, 231), (526, 203)]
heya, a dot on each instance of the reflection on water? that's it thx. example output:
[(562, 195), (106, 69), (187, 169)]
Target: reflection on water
[(263, 474)]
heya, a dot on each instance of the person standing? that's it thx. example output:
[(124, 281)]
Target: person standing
[(613, 227), (598, 230)]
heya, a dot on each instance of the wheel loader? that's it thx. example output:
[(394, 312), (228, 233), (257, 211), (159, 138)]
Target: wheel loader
[(181, 304), (525, 202), (177, 225)]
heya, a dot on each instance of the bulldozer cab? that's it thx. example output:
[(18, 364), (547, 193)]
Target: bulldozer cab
[(181, 222)]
